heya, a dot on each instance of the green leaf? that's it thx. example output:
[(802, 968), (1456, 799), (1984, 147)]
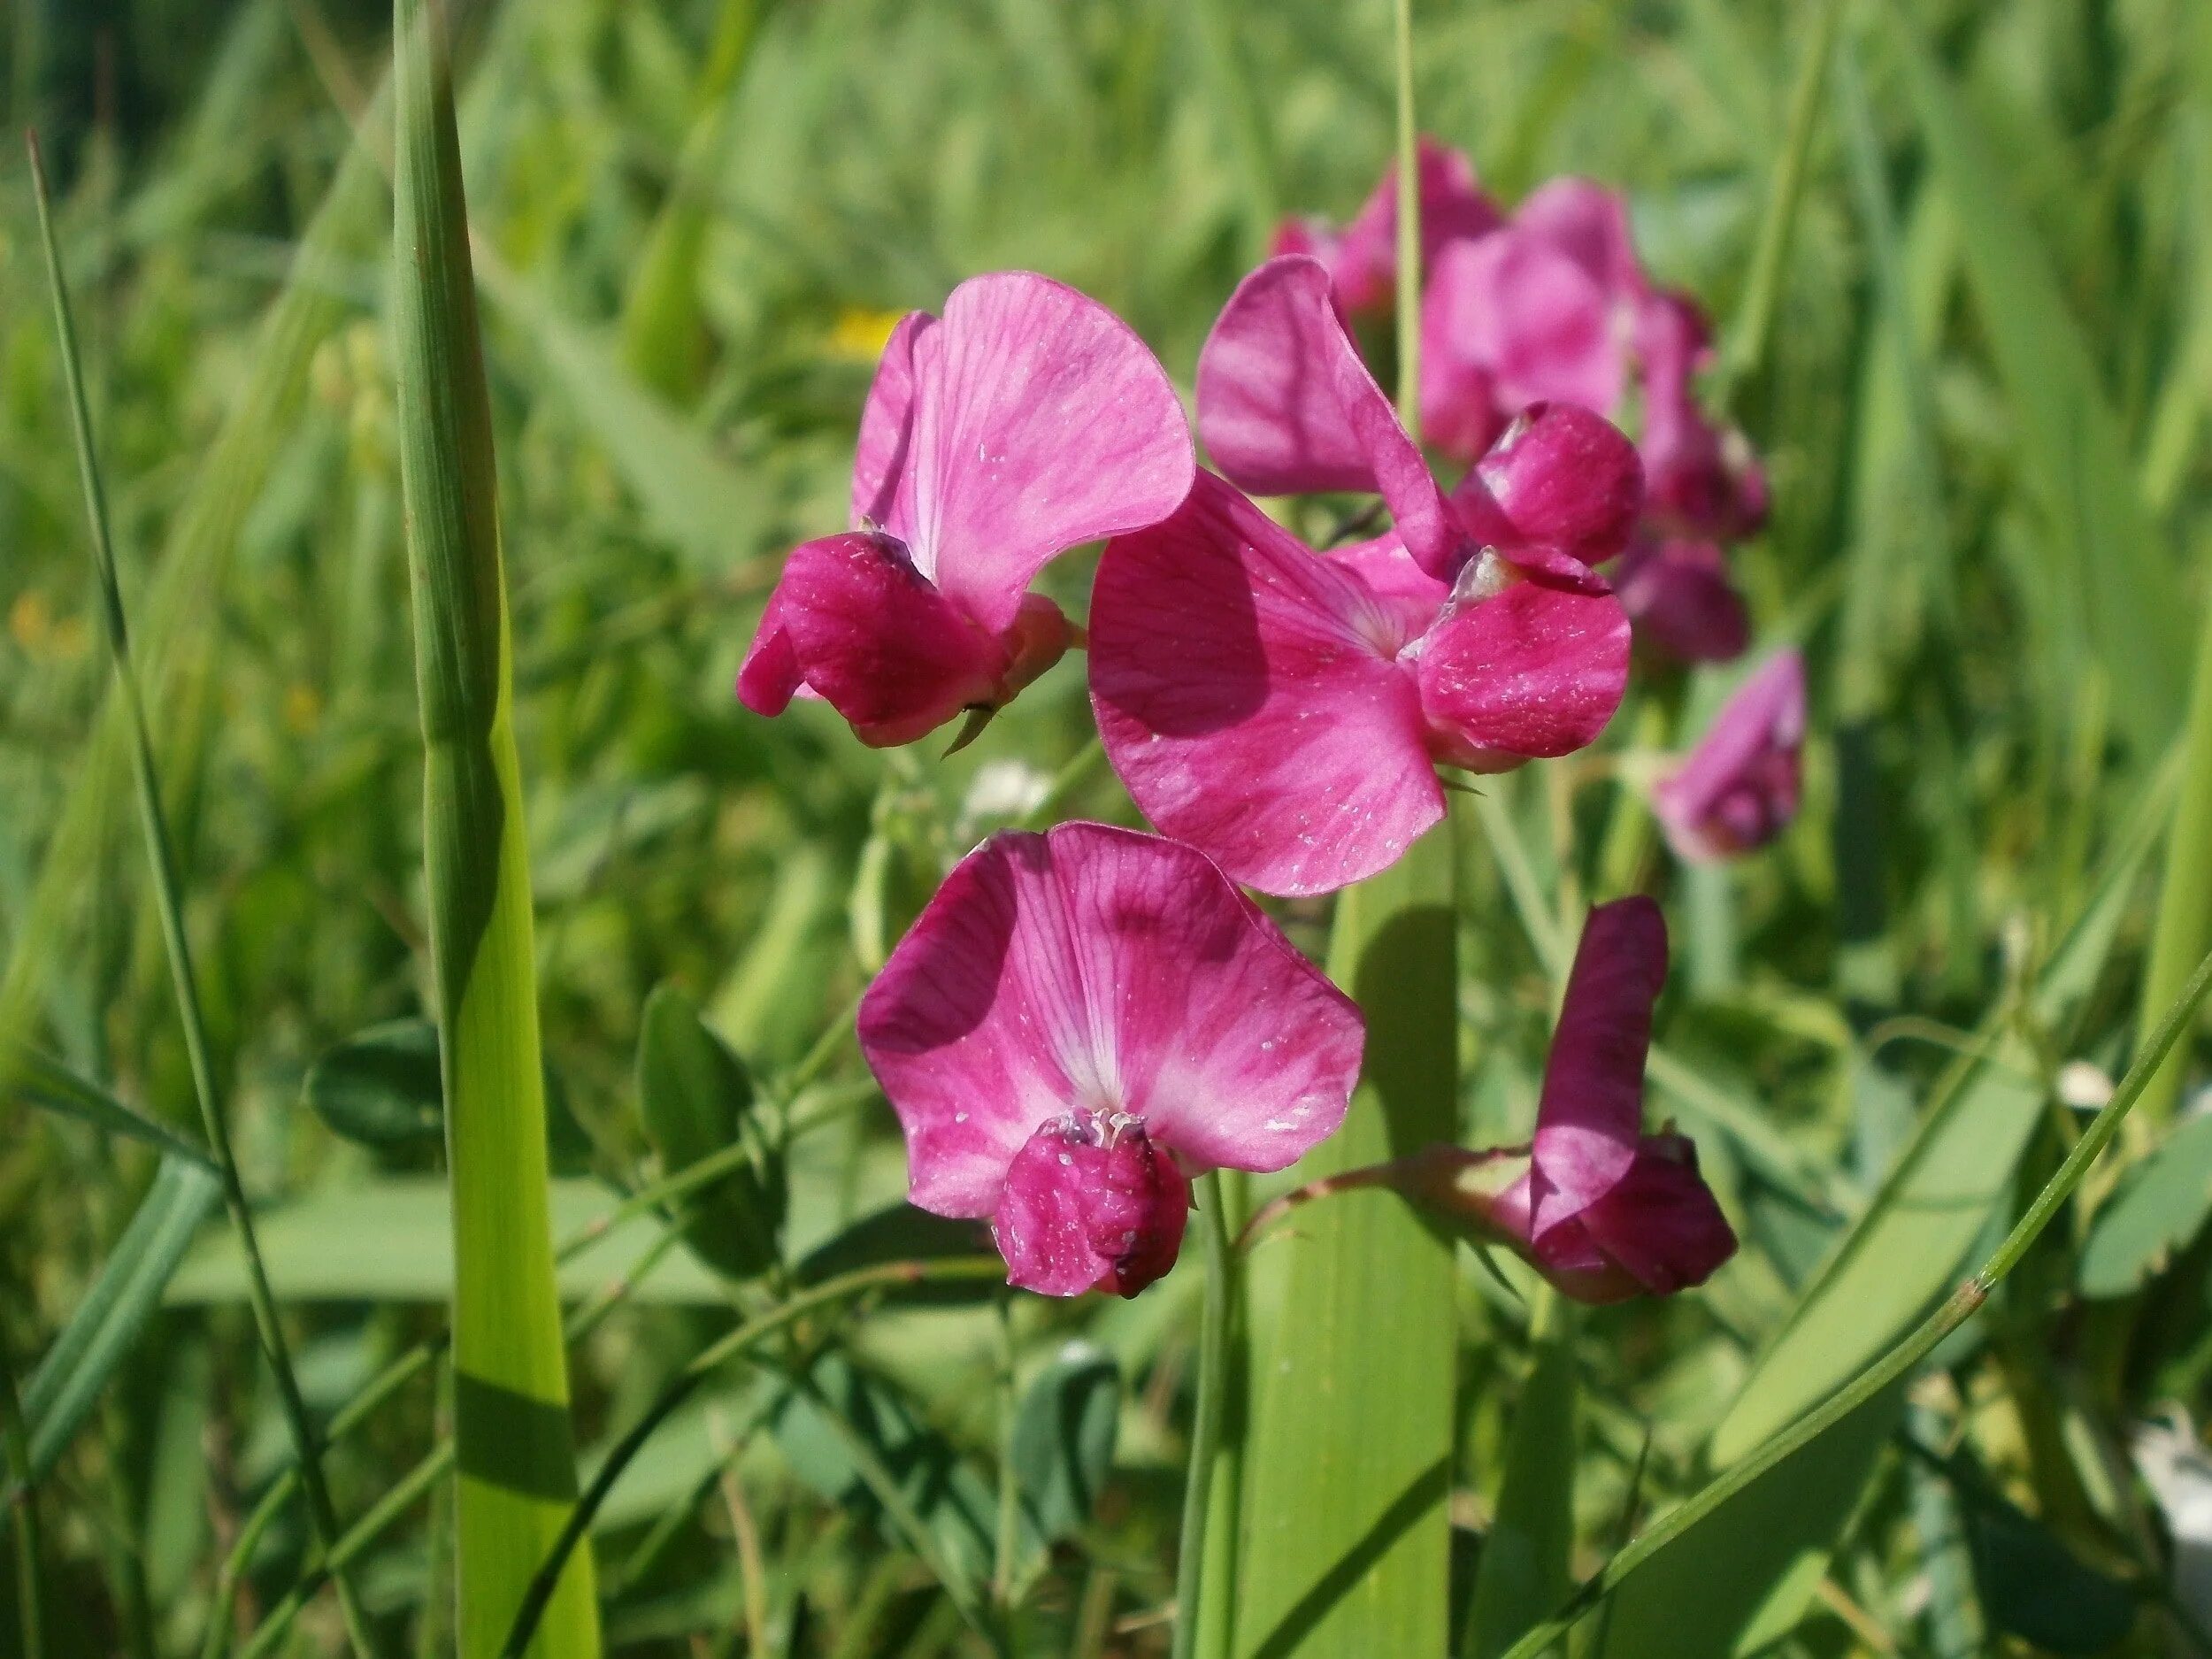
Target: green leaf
[(114, 1311), (2160, 1205), (1063, 1435), (2032, 1586), (379, 1087), (696, 1100), (1525, 1567), (2104, 556), (52, 1086), (899, 1232)]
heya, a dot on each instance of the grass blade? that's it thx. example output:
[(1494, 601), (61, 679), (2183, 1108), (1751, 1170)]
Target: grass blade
[(52, 1086), (514, 1446), (1526, 1568)]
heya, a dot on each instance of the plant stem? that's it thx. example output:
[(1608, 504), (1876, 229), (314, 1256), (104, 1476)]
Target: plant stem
[(1896, 1365), (1408, 232), (1205, 1440), (169, 903)]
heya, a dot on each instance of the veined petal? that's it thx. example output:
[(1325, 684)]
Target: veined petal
[(1097, 970), (1040, 421), (1286, 406), (864, 628), (1246, 694), (1590, 1118), (886, 435), (1560, 477), (1533, 669)]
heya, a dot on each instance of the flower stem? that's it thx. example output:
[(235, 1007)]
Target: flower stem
[(1896, 1365), (1213, 1357), (169, 903), (1409, 234)]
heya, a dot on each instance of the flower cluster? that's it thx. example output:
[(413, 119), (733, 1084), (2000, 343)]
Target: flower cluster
[(1081, 1021)]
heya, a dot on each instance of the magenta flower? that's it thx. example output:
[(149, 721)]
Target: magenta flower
[(1677, 596), (1028, 419), (1079, 1021), (1363, 257), (1602, 1209), (1284, 711), (1739, 788), (1702, 479)]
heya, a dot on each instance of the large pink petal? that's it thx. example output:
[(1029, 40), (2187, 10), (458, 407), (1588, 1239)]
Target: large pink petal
[(1534, 670), (1099, 969), (1739, 788), (1560, 477), (1286, 406), (1040, 421), (886, 433), (1246, 694), (866, 630), (1589, 224), (1542, 326), (1590, 1118)]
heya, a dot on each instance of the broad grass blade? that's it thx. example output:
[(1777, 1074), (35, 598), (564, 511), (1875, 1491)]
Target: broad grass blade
[(1526, 1567), (515, 1451)]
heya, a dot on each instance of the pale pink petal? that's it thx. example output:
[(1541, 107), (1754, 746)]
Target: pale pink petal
[(1739, 788), (1040, 421), (1560, 477), (887, 432), (1528, 314), (1287, 406), (1589, 224), (1087, 1208), (1590, 1117), (866, 630), (1533, 669), (1246, 694), (1680, 599), (1100, 970), (1411, 597)]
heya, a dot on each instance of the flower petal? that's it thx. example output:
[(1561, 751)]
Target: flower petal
[(887, 434), (1363, 260), (1738, 789), (1589, 224), (1561, 477), (1678, 597), (865, 629), (1246, 694), (1075, 1215), (1590, 1119), (1531, 316), (1660, 1223), (1099, 969), (1040, 421), (1533, 671), (769, 678), (1287, 406)]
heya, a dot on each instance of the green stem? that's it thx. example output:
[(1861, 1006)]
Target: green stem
[(1899, 1361), (1205, 1440), (1009, 1484), (169, 903), (1408, 232), (1086, 764)]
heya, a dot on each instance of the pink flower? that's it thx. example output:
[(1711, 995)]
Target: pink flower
[(1702, 479), (1602, 1209), (1677, 593), (1285, 711), (1079, 1021), (1363, 257), (1739, 788), (1026, 420)]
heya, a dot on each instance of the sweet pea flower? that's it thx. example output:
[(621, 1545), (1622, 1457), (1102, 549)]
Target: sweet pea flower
[(1026, 420), (1363, 257), (1601, 1208), (1739, 788), (1701, 479), (1285, 711), (1079, 1022), (1678, 598)]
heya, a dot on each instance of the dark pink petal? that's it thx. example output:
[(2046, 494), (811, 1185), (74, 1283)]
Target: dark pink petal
[(1246, 694), (1530, 316), (1739, 788), (1561, 477), (1085, 1207), (1286, 406), (1589, 224), (1590, 1118), (1462, 409), (1100, 970), (769, 678), (1533, 669), (1040, 421), (887, 433), (1660, 1223), (1680, 599), (866, 630)]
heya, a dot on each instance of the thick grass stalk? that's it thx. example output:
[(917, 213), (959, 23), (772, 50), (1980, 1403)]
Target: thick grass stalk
[(1895, 1366), (514, 1446), (169, 904), (1347, 1534)]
